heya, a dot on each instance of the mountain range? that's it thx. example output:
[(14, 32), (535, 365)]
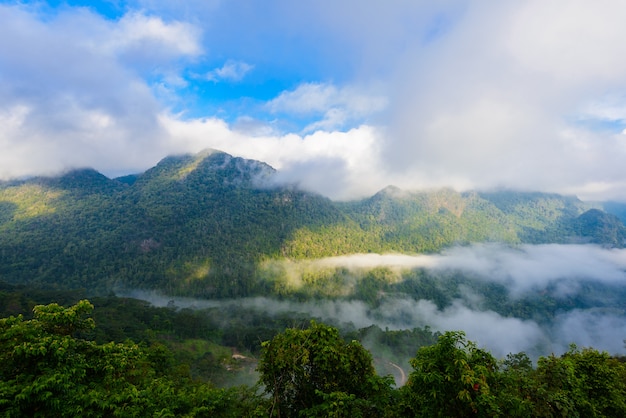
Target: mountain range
[(203, 224)]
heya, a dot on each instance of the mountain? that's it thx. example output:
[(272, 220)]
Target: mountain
[(599, 227), (192, 223), (615, 208), (202, 224)]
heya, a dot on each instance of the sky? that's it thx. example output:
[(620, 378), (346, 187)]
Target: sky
[(342, 97)]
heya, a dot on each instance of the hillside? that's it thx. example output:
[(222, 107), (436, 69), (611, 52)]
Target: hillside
[(202, 224)]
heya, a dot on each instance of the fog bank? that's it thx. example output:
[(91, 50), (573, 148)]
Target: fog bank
[(527, 271)]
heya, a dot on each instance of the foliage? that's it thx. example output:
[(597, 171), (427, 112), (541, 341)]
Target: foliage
[(584, 383), (202, 224), (202, 341), (50, 367), (316, 373), (451, 379), (46, 369)]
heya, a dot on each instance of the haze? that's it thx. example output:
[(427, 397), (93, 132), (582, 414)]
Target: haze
[(527, 271)]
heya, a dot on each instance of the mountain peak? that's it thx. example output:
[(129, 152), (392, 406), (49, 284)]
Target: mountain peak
[(210, 166), (393, 192), (82, 181)]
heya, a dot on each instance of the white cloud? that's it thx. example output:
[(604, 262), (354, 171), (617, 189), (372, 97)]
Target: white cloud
[(496, 333), (523, 269), (74, 97), (573, 42), (491, 103), (339, 164), (488, 329), (307, 98), (136, 32), (230, 71), (595, 328), (461, 94), (536, 267), (526, 270), (610, 108), (336, 106)]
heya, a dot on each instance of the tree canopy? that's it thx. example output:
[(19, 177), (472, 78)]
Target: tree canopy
[(50, 366), (47, 369), (315, 372)]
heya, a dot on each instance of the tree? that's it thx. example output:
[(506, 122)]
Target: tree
[(451, 379), (40, 361), (515, 387), (46, 369), (602, 382), (584, 383), (314, 372)]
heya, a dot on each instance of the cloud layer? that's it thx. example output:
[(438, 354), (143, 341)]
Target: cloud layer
[(345, 97), (528, 272), (73, 92)]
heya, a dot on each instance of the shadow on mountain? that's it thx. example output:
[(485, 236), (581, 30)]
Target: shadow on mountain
[(191, 225), (201, 224), (7, 211)]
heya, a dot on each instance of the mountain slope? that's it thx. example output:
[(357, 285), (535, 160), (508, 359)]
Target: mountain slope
[(191, 224), (201, 224)]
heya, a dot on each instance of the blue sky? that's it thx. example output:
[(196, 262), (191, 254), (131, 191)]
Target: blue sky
[(343, 97)]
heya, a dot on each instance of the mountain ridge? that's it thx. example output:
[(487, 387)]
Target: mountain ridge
[(201, 224)]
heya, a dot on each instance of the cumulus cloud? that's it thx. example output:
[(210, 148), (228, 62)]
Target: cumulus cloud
[(460, 93), (71, 97), (149, 36), (474, 95), (230, 71), (342, 165), (336, 106), (494, 101), (318, 98), (610, 108)]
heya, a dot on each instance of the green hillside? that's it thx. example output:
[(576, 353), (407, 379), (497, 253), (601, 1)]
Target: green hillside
[(202, 225)]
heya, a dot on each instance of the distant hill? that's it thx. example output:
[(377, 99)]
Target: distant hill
[(201, 224), (615, 208)]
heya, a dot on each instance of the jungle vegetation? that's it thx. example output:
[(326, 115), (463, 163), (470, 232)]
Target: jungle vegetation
[(51, 365), (203, 225), (217, 227)]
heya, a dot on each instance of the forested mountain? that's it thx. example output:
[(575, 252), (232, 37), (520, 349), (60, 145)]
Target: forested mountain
[(215, 226), (202, 224)]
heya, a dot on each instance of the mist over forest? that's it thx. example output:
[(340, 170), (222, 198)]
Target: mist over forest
[(220, 271), (568, 294), (190, 191), (517, 271)]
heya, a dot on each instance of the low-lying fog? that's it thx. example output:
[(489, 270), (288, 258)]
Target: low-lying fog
[(526, 271)]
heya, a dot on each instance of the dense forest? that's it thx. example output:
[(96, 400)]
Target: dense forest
[(202, 287), (204, 224), (53, 365)]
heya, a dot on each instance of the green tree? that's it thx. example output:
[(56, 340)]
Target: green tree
[(602, 382), (515, 386), (451, 379), (47, 369), (580, 383), (314, 372)]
